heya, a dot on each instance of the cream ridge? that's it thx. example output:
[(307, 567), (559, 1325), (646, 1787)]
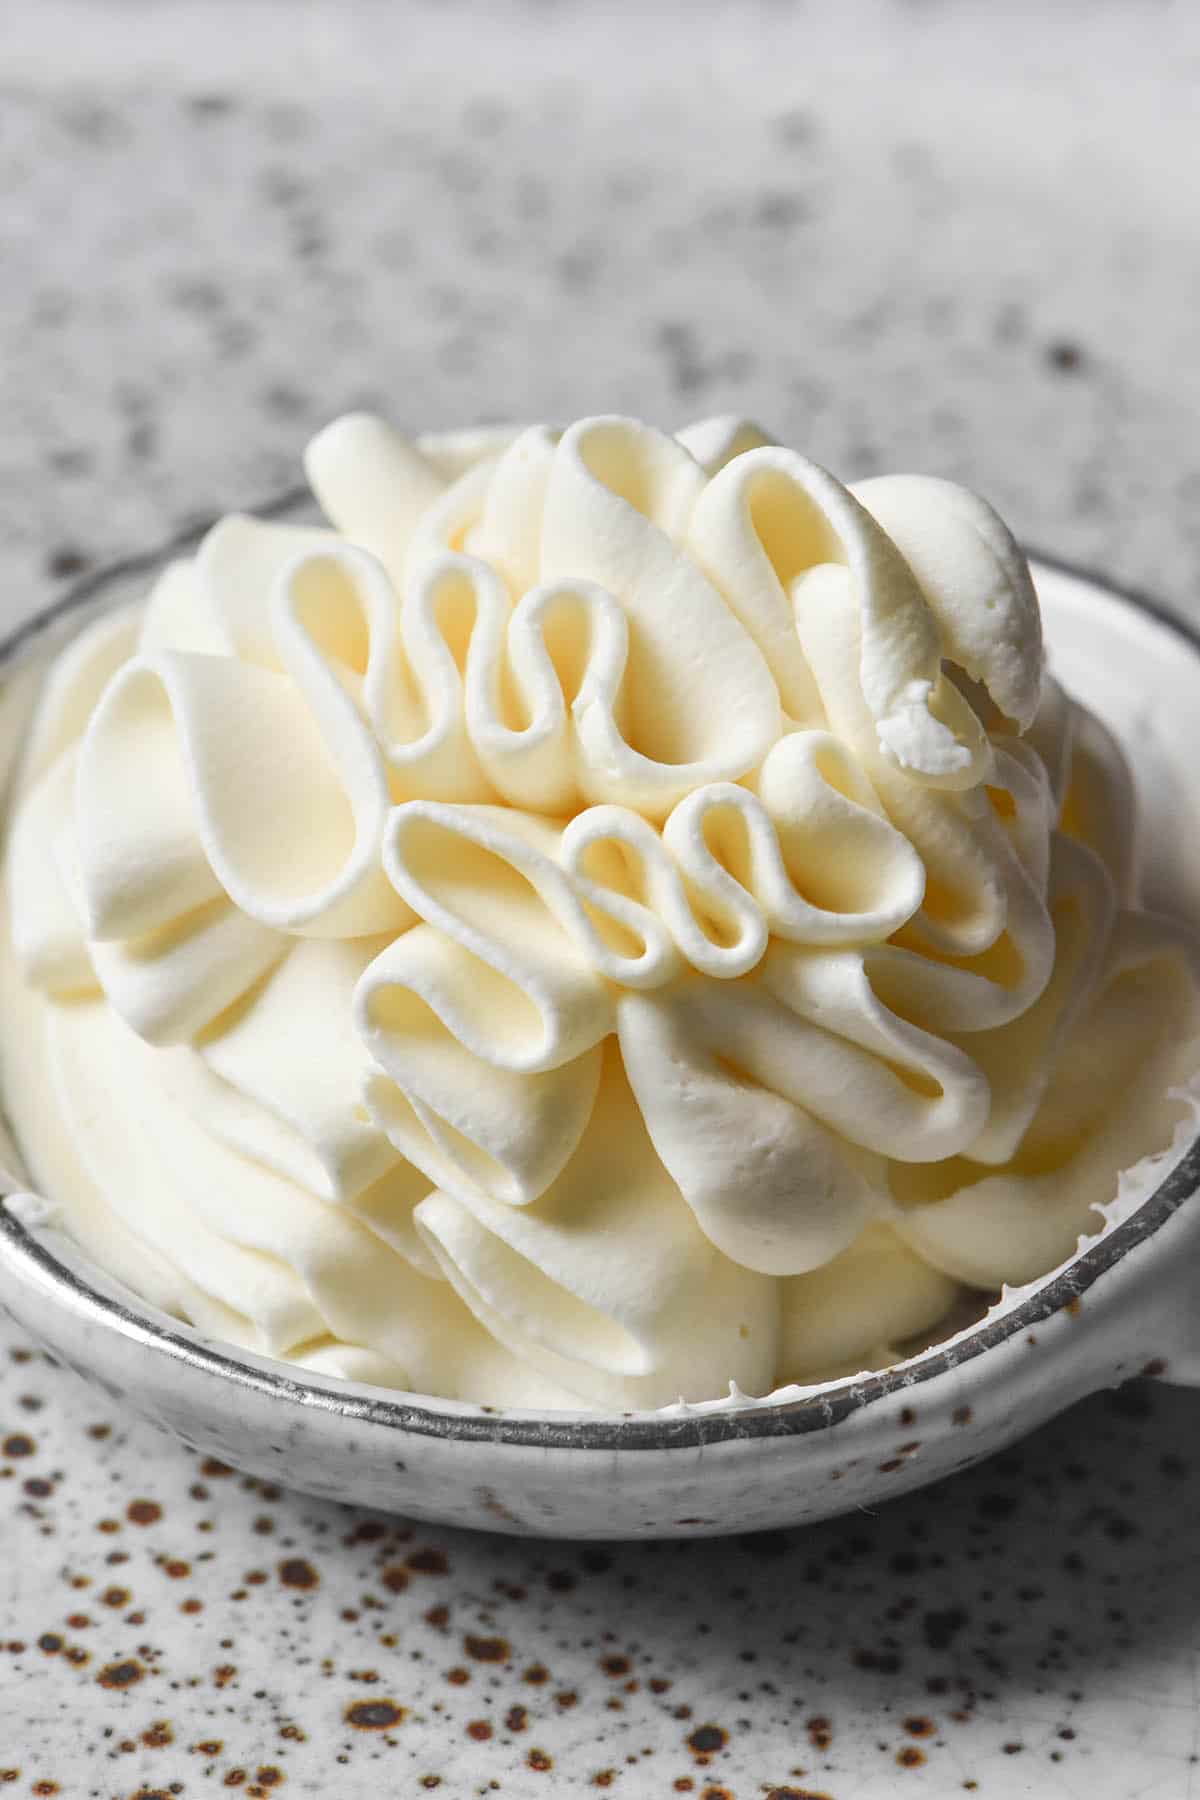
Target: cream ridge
[(607, 917)]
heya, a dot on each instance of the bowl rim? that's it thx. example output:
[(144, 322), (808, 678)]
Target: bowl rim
[(706, 1423)]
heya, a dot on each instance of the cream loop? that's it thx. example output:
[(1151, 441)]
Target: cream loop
[(975, 581), (297, 848), (769, 1184), (535, 1000), (770, 527), (702, 701)]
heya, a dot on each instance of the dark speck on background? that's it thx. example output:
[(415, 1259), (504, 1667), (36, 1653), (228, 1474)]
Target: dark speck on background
[(374, 1715), (1066, 357), (429, 1562), (66, 562), (121, 1674), (210, 106), (296, 1572)]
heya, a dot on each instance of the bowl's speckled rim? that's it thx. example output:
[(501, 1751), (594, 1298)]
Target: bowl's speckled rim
[(814, 1411)]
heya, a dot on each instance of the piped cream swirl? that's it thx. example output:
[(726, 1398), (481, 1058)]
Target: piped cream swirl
[(571, 928)]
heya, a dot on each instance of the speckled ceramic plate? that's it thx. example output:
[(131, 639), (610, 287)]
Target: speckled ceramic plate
[(1124, 1304)]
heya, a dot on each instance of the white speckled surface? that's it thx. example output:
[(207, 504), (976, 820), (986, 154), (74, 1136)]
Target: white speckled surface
[(908, 235)]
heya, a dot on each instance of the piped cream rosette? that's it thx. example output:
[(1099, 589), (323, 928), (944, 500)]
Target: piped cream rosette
[(586, 927)]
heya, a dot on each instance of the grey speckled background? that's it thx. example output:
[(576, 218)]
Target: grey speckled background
[(953, 238), (928, 236)]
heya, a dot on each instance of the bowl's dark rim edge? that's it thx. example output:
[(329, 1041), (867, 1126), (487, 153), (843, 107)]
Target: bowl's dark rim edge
[(815, 1412)]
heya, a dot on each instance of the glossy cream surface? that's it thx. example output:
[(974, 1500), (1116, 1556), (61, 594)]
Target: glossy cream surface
[(609, 916)]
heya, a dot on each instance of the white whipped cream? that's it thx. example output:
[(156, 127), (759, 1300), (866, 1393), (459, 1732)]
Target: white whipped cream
[(586, 927)]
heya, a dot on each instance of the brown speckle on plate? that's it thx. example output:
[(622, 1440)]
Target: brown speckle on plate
[(123, 1674), (375, 1715), (297, 1572), (706, 1739)]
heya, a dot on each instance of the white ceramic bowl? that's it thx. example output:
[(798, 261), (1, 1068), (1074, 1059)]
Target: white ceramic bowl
[(1125, 1304)]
